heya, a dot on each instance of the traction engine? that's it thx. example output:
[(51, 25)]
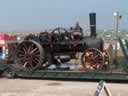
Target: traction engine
[(60, 46)]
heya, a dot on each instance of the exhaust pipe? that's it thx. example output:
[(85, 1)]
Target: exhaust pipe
[(92, 24)]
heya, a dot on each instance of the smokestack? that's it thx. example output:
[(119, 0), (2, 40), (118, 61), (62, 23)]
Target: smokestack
[(93, 24)]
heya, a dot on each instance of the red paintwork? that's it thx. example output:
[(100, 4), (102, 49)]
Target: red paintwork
[(1, 45), (7, 37)]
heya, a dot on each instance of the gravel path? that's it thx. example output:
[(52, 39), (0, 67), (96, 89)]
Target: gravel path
[(23, 87)]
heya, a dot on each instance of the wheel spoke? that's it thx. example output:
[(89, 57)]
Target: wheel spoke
[(34, 50), (24, 65), (29, 49)]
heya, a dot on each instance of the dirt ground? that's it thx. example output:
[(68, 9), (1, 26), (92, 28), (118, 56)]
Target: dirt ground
[(25, 87)]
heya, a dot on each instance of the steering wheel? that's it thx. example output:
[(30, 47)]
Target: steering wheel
[(60, 34)]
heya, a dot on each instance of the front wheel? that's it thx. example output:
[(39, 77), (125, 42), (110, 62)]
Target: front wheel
[(92, 59)]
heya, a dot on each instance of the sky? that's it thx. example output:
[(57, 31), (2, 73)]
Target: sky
[(38, 15)]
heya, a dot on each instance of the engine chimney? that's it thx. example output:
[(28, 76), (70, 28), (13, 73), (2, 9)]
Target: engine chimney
[(92, 24)]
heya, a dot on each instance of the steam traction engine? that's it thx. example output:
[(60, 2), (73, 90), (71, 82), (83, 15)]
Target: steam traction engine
[(60, 46)]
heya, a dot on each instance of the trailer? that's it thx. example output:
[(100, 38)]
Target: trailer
[(9, 71)]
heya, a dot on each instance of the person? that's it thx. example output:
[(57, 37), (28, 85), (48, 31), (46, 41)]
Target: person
[(78, 27), (76, 32)]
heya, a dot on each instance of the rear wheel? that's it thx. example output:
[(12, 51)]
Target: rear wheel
[(29, 56)]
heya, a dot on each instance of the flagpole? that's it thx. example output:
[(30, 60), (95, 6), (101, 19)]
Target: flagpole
[(118, 17)]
